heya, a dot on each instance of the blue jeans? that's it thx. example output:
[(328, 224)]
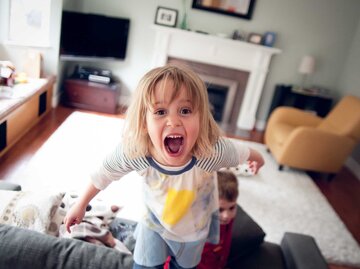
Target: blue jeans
[(151, 250), (173, 265)]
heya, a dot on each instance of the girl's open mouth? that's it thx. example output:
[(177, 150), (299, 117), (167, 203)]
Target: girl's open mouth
[(173, 143)]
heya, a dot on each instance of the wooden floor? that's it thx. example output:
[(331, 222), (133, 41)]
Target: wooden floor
[(342, 192)]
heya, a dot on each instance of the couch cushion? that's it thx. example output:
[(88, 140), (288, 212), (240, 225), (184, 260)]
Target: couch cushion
[(267, 255), (22, 248), (247, 235)]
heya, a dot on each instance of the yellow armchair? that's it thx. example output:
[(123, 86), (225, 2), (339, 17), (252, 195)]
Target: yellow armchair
[(301, 140)]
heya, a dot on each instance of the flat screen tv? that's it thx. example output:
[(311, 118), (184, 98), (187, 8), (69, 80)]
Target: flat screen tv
[(93, 36)]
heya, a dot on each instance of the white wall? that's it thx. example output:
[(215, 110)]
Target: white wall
[(350, 79)]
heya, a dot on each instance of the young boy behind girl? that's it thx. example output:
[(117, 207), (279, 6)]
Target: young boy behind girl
[(215, 256)]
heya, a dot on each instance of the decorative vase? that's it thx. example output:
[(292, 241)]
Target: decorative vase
[(184, 24)]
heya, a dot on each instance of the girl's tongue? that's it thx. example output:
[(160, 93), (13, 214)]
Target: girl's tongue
[(173, 144)]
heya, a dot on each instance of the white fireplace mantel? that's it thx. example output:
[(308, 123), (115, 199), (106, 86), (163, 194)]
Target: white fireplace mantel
[(209, 49)]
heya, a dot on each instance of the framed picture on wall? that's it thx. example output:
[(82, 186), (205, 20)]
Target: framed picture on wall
[(29, 23), (166, 16), (236, 8)]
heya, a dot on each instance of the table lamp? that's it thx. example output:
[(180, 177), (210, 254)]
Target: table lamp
[(306, 67)]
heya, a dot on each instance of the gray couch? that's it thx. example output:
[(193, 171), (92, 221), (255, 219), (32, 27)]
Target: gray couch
[(22, 248)]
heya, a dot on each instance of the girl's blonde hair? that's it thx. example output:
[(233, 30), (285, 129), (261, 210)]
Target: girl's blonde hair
[(136, 141)]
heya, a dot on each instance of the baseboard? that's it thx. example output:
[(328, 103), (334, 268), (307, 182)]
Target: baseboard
[(260, 125), (56, 100), (353, 166)]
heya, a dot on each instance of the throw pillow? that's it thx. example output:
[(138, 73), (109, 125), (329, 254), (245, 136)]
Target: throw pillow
[(246, 236), (31, 210), (56, 221)]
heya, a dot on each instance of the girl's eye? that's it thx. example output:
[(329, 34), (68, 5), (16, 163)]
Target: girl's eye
[(185, 111), (160, 112)]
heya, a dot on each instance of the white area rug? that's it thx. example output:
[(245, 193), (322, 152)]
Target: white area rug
[(278, 201), (281, 201)]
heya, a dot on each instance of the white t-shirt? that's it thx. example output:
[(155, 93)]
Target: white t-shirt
[(181, 200)]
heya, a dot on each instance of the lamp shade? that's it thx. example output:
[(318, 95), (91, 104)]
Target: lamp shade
[(307, 65)]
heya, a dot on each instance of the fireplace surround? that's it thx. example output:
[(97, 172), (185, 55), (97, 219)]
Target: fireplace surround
[(222, 53)]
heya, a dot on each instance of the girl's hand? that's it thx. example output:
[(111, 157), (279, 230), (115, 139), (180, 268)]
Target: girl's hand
[(253, 166), (256, 161), (77, 211), (74, 216)]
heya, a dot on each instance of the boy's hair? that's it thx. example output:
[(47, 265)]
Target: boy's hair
[(228, 186), (136, 141)]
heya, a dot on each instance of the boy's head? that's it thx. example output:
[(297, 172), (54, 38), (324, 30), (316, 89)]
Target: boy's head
[(136, 136), (228, 194)]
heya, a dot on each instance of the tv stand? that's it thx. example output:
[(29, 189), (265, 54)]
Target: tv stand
[(84, 94)]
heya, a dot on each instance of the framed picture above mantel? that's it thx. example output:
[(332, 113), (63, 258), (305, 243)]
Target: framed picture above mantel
[(236, 8)]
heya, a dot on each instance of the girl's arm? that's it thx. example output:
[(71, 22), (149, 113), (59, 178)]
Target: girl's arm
[(77, 211)]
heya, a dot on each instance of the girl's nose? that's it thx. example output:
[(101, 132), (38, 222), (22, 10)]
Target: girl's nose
[(173, 120)]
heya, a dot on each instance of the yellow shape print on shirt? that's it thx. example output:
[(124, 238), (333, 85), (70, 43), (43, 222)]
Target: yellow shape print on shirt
[(177, 205)]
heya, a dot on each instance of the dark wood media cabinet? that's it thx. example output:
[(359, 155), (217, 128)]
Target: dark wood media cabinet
[(285, 95), (84, 94)]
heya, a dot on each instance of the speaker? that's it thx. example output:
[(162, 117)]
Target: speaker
[(3, 127), (42, 103)]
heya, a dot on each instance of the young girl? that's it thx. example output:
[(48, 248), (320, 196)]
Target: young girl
[(173, 142)]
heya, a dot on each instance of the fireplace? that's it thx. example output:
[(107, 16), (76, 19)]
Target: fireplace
[(241, 62)]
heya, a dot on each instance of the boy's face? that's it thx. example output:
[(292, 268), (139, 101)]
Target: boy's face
[(227, 211), (173, 127)]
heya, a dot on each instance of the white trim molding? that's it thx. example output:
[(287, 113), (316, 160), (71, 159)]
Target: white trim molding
[(353, 166)]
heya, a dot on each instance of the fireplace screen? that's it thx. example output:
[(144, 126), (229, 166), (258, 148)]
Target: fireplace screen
[(221, 94)]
